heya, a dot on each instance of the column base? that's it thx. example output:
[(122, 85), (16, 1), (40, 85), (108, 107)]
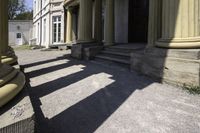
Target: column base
[(108, 43), (185, 43), (10, 60), (70, 43), (173, 66), (12, 82), (9, 57)]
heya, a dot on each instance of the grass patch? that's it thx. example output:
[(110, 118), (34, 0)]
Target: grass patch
[(22, 47), (192, 89)]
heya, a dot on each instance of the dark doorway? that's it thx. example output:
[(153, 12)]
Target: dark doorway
[(138, 21), (75, 14)]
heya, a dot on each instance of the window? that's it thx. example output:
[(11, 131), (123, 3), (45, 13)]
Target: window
[(56, 29), (19, 35), (38, 34), (44, 34), (34, 7), (38, 7)]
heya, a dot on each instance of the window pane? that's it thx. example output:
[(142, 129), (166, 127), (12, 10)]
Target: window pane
[(19, 35), (59, 18), (54, 19)]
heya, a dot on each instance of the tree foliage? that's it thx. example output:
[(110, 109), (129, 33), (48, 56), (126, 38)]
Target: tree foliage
[(27, 15), (16, 7)]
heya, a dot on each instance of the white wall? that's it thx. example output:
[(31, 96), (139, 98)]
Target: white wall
[(19, 26), (47, 11)]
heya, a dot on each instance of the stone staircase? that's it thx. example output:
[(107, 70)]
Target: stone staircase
[(118, 54)]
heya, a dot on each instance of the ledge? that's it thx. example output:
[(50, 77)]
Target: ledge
[(10, 60), (11, 88), (188, 43)]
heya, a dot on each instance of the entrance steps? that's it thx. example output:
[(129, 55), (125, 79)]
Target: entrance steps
[(118, 54)]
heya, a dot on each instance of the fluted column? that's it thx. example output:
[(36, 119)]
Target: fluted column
[(69, 27), (11, 80), (180, 24), (98, 20), (109, 23), (154, 28), (85, 21)]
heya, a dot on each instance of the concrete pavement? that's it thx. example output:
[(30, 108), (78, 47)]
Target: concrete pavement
[(73, 96)]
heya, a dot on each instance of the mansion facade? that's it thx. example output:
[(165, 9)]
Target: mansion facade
[(48, 22), (160, 38)]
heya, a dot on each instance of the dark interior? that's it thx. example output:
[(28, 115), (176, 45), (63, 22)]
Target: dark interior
[(75, 14), (138, 21)]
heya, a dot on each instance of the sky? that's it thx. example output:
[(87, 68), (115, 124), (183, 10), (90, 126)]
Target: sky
[(29, 4)]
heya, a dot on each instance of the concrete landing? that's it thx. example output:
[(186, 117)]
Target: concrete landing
[(73, 96)]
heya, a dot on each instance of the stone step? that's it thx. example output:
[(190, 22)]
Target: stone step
[(111, 64), (129, 46), (116, 53), (118, 50), (125, 48), (114, 58)]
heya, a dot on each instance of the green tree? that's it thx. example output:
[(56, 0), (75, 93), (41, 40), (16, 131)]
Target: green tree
[(27, 15), (15, 7)]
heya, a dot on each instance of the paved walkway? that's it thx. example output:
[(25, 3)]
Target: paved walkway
[(72, 96)]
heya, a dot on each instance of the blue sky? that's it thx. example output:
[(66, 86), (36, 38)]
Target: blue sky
[(29, 4)]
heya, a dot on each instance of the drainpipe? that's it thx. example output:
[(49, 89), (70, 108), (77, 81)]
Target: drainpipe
[(50, 26), (40, 44)]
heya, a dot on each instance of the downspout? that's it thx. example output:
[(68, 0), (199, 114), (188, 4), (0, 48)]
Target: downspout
[(50, 26), (40, 44)]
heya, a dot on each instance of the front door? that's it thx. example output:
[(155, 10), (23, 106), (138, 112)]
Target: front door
[(18, 40), (138, 20)]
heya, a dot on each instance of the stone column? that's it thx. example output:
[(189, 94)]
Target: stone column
[(4, 28), (8, 55), (11, 80), (98, 20), (180, 24), (69, 27), (85, 21), (154, 28), (1, 28), (109, 23)]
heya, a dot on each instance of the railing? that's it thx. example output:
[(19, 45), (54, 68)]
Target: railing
[(33, 41)]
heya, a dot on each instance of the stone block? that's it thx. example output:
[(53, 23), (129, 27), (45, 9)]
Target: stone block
[(168, 66), (79, 50), (62, 47), (175, 53), (18, 116), (91, 52)]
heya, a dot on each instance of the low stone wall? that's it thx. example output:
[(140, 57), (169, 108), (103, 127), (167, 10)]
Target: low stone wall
[(85, 50), (174, 66)]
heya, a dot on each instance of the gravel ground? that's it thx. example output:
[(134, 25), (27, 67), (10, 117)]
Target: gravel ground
[(73, 96)]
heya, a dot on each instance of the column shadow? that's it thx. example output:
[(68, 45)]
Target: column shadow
[(89, 113)]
